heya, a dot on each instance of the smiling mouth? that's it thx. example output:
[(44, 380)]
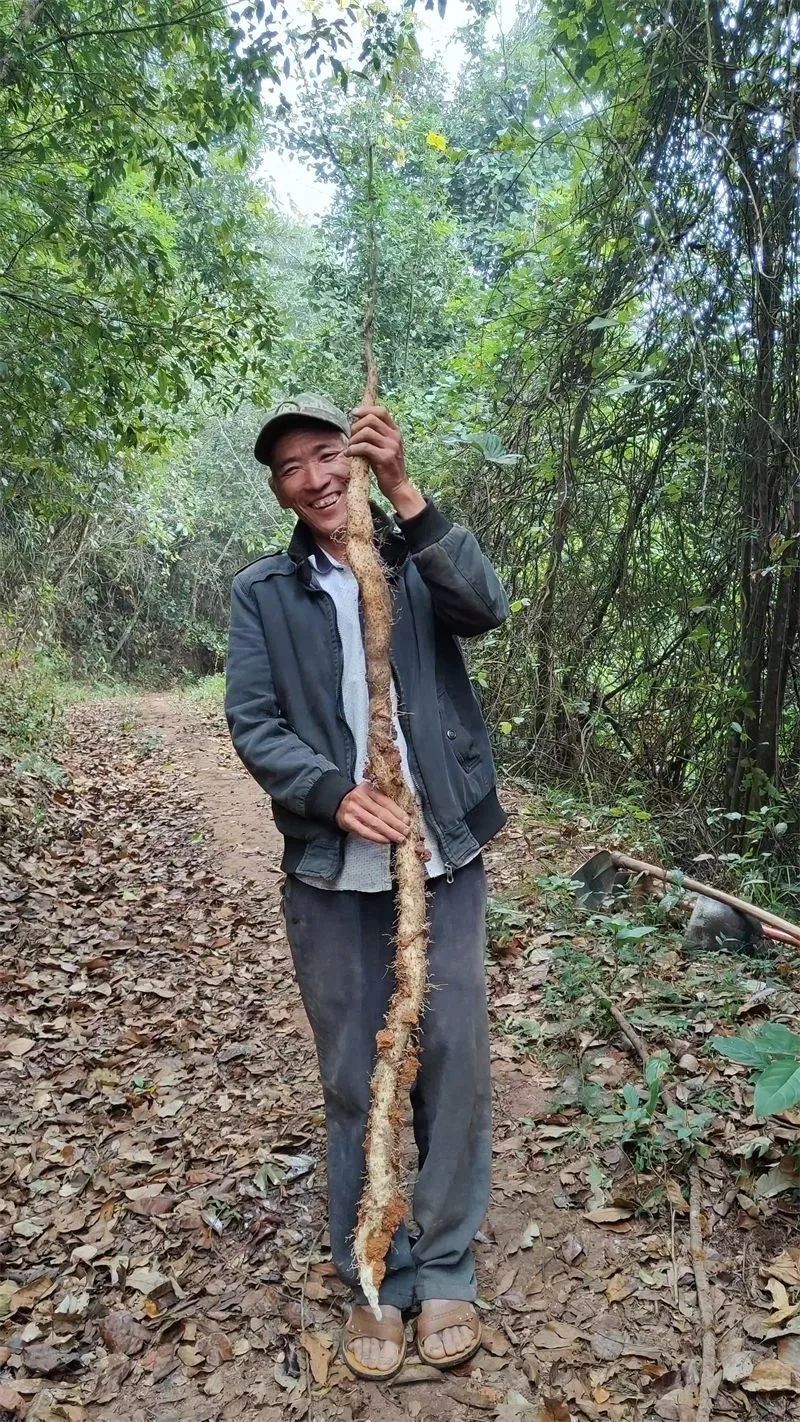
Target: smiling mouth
[(320, 505)]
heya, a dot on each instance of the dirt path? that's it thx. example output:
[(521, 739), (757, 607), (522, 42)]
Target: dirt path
[(166, 1254), (244, 842)]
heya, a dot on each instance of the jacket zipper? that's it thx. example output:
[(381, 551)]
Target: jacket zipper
[(417, 773)]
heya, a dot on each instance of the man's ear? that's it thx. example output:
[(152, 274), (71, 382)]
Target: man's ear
[(275, 487)]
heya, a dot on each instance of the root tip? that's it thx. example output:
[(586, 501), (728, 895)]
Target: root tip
[(371, 1295)]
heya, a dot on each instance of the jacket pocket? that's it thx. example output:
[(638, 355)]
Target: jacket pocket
[(456, 735)]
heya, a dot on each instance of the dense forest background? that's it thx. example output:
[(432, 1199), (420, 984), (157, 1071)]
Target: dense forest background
[(588, 324)]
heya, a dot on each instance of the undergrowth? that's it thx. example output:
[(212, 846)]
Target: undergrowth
[(753, 855), (31, 705), (209, 691)]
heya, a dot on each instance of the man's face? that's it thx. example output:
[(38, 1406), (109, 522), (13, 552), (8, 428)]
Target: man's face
[(310, 471)]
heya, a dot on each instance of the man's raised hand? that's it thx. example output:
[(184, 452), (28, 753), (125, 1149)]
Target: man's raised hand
[(377, 439), (371, 815)]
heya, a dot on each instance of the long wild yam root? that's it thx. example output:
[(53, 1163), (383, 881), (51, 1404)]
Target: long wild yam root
[(383, 1206)]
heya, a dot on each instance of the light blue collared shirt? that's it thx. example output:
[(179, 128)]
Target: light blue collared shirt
[(367, 866)]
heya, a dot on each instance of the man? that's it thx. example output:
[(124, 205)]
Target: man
[(297, 708)]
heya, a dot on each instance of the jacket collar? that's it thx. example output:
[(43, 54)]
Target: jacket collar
[(392, 545)]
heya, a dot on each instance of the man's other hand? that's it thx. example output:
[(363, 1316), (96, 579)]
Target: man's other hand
[(371, 815)]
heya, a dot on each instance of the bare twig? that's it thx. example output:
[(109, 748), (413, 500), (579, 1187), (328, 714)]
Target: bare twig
[(628, 1031), (311, 1252), (708, 1383), (675, 1294)]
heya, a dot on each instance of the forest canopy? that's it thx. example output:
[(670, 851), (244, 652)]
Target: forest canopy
[(587, 327)]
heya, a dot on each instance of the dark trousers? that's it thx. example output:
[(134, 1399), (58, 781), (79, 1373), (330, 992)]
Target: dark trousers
[(341, 947)]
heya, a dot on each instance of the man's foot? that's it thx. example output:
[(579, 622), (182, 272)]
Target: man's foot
[(448, 1332), (371, 1349)]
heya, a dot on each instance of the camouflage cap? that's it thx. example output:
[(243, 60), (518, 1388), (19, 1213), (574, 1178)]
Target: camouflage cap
[(308, 406)]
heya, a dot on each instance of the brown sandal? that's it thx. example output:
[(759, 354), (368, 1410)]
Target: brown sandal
[(362, 1323), (449, 1315)]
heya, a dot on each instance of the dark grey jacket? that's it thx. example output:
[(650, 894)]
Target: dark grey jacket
[(284, 702)]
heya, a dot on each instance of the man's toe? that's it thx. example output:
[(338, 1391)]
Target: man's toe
[(389, 1355), (375, 1353), (434, 1345), (450, 1341)]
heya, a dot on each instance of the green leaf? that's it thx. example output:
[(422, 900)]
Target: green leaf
[(778, 1087), (740, 1049), (491, 446), (777, 1181), (777, 1040), (655, 1070)]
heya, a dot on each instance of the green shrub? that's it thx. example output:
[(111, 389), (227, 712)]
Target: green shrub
[(208, 690), (31, 704)]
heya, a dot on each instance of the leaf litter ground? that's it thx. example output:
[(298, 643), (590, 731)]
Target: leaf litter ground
[(164, 1250)]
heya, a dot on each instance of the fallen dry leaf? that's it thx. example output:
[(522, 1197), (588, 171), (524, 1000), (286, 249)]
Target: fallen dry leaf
[(571, 1248), (556, 1335), (736, 1365), (494, 1342), (552, 1409), (529, 1236), (786, 1268), (481, 1397), (17, 1046), (619, 1287), (146, 1281), (416, 1372), (678, 1405), (608, 1214), (676, 1198), (771, 1375), (515, 1407), (319, 1347), (107, 1385), (10, 1401)]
